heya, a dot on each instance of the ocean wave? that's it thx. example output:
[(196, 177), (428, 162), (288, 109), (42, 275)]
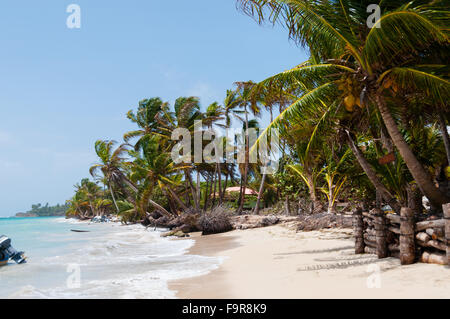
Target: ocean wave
[(114, 261), (150, 284)]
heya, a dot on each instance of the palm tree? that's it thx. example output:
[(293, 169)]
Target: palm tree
[(110, 162), (153, 167), (242, 98), (83, 203), (186, 113), (368, 67), (146, 118), (270, 95), (213, 115)]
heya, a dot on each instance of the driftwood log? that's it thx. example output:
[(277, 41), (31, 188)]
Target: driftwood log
[(407, 246), (437, 223), (432, 244), (446, 209), (433, 258), (358, 228)]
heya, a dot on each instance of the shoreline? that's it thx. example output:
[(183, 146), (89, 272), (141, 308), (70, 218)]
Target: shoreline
[(278, 263)]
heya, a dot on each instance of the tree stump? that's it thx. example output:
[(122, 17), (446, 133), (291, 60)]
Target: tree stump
[(407, 245), (358, 230), (380, 232), (446, 209)]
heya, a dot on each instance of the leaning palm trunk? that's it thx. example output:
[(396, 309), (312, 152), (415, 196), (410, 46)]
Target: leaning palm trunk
[(219, 172), (371, 174), (244, 181), (151, 202), (205, 202), (177, 199), (444, 132), (317, 205), (215, 189), (198, 190), (194, 191), (416, 169), (261, 190), (172, 206), (222, 196), (113, 197)]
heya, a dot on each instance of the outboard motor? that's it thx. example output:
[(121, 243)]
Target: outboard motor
[(8, 252)]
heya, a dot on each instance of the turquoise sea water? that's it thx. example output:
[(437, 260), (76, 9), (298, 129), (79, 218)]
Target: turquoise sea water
[(110, 261)]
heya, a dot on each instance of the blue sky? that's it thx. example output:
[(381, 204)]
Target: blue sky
[(61, 89)]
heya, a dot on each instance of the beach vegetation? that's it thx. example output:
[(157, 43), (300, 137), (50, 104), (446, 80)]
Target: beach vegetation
[(362, 121)]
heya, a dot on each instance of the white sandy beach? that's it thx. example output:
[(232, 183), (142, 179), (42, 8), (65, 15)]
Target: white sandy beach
[(276, 262)]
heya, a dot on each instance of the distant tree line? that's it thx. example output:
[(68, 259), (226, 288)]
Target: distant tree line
[(38, 209)]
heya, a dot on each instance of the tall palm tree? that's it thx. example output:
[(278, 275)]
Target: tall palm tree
[(239, 102), (186, 113), (146, 118), (153, 167), (212, 117), (269, 96), (111, 161)]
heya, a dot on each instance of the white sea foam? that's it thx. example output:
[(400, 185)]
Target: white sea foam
[(115, 262)]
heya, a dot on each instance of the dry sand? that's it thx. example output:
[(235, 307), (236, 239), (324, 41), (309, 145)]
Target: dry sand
[(276, 262)]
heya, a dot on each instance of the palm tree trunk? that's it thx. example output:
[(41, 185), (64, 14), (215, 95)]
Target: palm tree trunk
[(178, 199), (287, 206), (173, 207), (416, 169), (205, 203), (371, 174), (199, 195), (444, 132), (222, 195), (193, 190), (331, 204), (215, 188), (211, 189), (261, 190), (241, 205), (113, 197), (317, 205), (151, 202), (219, 171)]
